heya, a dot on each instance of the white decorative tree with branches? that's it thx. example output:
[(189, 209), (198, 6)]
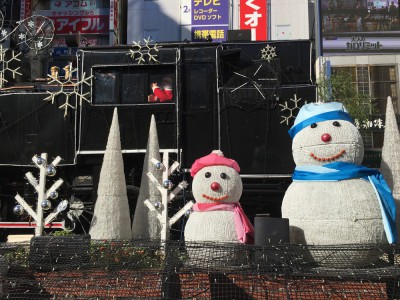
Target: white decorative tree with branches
[(43, 202), (167, 194)]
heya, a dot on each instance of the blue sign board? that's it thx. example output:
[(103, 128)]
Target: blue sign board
[(60, 51), (210, 20), (210, 12), (209, 33)]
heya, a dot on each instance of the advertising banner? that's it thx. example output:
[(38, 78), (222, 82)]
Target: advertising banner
[(360, 26), (73, 4), (114, 22), (210, 20), (26, 9), (93, 21), (216, 33), (210, 12), (253, 16), (88, 41)]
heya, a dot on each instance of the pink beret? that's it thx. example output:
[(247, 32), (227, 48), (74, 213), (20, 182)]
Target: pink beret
[(216, 158)]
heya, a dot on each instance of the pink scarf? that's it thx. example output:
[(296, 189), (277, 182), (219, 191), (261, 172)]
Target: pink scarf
[(244, 228)]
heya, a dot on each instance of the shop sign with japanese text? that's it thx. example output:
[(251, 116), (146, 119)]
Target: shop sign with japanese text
[(26, 9), (114, 22), (350, 27), (210, 12), (210, 20), (253, 16), (94, 21), (72, 4), (90, 41), (360, 43), (204, 33)]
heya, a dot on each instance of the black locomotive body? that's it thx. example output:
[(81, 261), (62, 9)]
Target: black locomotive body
[(237, 97)]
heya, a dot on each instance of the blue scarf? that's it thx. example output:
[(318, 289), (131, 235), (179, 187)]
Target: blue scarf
[(342, 171)]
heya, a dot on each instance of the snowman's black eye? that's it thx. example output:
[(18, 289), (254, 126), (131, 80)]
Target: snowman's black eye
[(336, 123), (313, 125), (207, 175), (223, 175)]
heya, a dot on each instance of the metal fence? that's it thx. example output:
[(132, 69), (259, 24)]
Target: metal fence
[(76, 267)]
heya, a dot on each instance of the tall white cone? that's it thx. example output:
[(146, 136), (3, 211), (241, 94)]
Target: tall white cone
[(390, 164), (145, 223), (111, 218)]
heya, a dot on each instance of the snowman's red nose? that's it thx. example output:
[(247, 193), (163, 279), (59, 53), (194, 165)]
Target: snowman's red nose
[(326, 137), (215, 186)]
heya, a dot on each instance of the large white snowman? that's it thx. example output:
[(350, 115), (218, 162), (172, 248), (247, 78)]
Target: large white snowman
[(333, 199), (217, 215)]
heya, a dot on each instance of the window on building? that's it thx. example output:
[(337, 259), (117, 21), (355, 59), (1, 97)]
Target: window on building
[(383, 84)]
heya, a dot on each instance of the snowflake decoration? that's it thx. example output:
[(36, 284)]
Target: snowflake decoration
[(291, 110), (5, 64), (141, 52), (68, 93), (268, 53)]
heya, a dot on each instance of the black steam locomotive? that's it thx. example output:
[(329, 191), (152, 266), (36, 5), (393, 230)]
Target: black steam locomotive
[(237, 97)]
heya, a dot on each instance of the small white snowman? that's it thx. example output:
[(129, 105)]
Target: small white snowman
[(333, 199), (217, 215)]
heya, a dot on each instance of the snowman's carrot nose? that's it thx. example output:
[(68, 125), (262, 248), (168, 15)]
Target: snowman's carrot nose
[(326, 137), (215, 186)]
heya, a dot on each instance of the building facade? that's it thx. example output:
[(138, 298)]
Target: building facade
[(362, 38)]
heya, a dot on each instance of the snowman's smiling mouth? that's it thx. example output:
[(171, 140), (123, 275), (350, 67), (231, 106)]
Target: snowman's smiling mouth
[(330, 158), (215, 198)]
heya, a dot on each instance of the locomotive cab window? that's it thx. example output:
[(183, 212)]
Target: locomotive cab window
[(133, 85), (105, 87)]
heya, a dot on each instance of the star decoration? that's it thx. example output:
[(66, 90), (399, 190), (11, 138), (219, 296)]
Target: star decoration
[(4, 32), (31, 24), (21, 36)]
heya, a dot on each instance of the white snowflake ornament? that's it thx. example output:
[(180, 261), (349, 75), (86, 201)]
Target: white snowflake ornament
[(268, 53)]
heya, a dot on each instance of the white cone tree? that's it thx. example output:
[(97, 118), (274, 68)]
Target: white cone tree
[(111, 217), (390, 164), (145, 224)]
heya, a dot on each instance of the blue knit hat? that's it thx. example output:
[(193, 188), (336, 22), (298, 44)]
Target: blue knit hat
[(319, 112)]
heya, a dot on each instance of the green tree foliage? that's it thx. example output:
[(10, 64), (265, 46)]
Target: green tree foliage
[(340, 88)]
